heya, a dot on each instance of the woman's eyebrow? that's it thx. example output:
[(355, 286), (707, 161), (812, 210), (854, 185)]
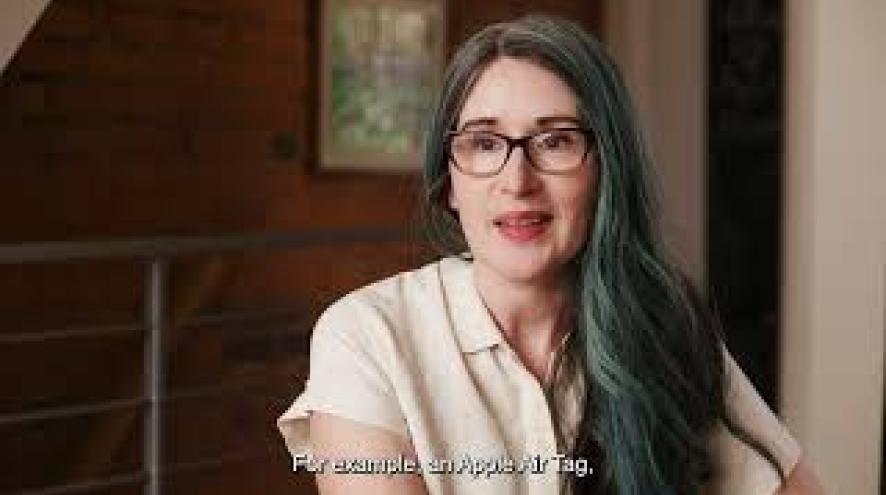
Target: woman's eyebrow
[(557, 119), (479, 122), (546, 121)]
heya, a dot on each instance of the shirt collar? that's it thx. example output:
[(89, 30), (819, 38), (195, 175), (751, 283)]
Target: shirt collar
[(473, 325)]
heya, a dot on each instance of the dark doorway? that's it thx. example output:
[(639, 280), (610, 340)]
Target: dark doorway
[(744, 181)]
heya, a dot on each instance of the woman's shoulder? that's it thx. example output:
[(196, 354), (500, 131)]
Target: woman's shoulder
[(739, 468), (362, 353)]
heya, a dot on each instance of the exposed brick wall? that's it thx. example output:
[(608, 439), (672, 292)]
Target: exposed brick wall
[(168, 110), (166, 117)]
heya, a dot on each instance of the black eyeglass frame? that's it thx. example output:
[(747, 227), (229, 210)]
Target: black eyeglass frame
[(522, 142)]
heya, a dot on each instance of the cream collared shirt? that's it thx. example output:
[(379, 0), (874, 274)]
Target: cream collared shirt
[(419, 355)]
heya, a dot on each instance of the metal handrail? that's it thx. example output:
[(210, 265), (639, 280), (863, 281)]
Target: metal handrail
[(90, 485), (94, 407), (79, 331), (155, 383), (165, 247), (179, 468), (122, 329), (157, 252), (71, 410)]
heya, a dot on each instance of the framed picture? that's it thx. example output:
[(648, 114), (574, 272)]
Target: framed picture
[(381, 62)]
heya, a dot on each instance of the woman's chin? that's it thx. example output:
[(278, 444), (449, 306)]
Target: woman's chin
[(523, 269)]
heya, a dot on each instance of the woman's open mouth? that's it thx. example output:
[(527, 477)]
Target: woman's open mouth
[(523, 226)]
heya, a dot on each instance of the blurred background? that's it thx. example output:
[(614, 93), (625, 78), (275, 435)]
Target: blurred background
[(177, 209)]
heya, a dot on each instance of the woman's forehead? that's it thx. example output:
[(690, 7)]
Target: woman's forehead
[(513, 91)]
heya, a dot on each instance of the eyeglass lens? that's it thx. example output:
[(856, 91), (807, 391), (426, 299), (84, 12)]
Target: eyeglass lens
[(485, 153)]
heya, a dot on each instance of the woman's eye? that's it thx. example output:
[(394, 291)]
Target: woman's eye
[(555, 140), (485, 143)]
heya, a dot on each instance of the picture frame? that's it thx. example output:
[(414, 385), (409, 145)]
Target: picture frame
[(381, 62)]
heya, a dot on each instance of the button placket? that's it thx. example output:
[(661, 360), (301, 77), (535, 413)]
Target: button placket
[(540, 437)]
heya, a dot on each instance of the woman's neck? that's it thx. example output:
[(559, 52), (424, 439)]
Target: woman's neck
[(533, 316)]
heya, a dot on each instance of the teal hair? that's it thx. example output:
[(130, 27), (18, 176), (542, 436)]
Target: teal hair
[(652, 353)]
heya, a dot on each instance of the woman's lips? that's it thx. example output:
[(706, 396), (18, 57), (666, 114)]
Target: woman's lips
[(522, 226)]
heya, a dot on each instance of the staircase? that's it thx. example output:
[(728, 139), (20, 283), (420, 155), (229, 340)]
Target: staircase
[(16, 19)]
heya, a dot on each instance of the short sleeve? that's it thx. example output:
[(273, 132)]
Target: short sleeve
[(740, 469), (347, 378)]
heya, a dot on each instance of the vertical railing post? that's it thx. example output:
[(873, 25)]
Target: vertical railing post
[(155, 322)]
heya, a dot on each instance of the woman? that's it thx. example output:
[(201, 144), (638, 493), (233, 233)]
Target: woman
[(554, 350)]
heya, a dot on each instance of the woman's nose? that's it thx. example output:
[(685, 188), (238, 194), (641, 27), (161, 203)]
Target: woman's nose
[(518, 177)]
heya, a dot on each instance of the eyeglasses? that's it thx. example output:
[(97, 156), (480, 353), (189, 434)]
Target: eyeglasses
[(552, 151)]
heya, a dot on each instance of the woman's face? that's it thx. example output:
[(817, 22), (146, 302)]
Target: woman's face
[(522, 225)]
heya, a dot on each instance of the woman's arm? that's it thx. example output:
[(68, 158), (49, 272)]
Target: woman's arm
[(334, 438), (801, 481)]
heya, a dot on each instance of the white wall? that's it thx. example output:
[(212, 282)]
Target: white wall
[(661, 48), (16, 19), (835, 238)]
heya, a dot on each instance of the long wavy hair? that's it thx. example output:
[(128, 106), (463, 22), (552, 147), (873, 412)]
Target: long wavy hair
[(651, 352)]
